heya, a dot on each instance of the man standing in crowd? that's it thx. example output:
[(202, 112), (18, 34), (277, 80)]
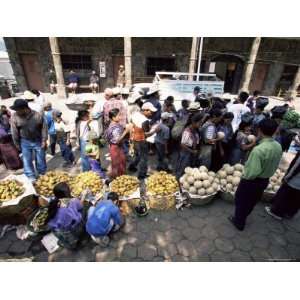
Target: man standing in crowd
[(94, 82), (48, 112), (140, 131), (121, 77), (195, 94), (115, 102), (153, 98), (238, 109), (29, 133), (286, 202), (52, 82), (251, 102), (260, 166)]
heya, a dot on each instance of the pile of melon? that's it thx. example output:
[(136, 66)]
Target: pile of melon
[(230, 177), (275, 182), (199, 181)]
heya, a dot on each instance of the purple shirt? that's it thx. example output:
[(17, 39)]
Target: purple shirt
[(67, 217)]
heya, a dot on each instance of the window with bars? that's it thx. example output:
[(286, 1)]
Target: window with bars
[(156, 64), (76, 62)]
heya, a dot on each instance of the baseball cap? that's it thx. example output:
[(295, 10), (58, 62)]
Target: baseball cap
[(19, 104), (149, 106)]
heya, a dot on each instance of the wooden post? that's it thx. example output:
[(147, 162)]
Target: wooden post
[(250, 65), (293, 89), (61, 88), (127, 58), (193, 57)]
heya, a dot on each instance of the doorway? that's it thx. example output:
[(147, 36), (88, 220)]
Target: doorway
[(229, 68), (258, 78), (117, 61), (32, 71)]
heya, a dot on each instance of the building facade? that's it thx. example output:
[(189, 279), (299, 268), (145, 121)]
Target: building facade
[(274, 70)]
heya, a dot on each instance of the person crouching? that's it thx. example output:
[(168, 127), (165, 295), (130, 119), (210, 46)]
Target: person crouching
[(103, 219)]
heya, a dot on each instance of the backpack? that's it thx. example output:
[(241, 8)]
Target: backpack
[(177, 129)]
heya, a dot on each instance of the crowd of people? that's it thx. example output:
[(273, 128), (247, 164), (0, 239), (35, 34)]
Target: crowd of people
[(206, 130)]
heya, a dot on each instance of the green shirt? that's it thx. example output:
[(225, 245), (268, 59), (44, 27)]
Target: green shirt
[(263, 160)]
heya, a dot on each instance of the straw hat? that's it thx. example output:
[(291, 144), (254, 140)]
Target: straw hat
[(134, 97), (29, 95), (152, 90)]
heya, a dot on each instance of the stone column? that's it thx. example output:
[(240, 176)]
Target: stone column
[(127, 58), (193, 57), (61, 88), (250, 65), (293, 89)]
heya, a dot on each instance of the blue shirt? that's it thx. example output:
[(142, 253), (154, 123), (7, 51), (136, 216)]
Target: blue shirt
[(73, 78), (102, 218), (156, 116), (50, 122), (163, 134)]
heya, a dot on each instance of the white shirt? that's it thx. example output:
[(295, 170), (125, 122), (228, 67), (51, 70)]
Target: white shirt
[(238, 110), (41, 99), (138, 119), (98, 108)]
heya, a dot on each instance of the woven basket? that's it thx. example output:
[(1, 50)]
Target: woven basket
[(19, 214), (161, 202)]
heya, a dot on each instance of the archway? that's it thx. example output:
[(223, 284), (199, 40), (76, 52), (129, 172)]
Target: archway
[(229, 68)]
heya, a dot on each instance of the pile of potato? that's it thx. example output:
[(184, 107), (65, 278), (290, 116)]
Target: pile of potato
[(230, 177), (161, 184), (86, 180), (124, 185), (275, 182), (198, 181), (45, 184), (10, 189)]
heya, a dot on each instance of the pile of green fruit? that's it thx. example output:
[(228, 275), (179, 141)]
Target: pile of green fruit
[(10, 189)]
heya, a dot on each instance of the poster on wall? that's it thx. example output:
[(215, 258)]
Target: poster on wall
[(102, 69)]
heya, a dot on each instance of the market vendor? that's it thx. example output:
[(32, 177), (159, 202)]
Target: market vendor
[(103, 219), (29, 133), (141, 129), (260, 166)]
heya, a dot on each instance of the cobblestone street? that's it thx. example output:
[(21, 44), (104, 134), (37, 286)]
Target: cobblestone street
[(196, 234)]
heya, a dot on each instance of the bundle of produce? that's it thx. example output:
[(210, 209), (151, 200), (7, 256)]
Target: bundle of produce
[(200, 184), (86, 181), (230, 177), (45, 184), (10, 189), (274, 185), (124, 185), (161, 187), (290, 119)]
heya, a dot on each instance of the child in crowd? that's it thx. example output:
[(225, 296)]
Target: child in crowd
[(104, 219), (115, 135), (183, 112), (161, 142), (226, 144), (62, 132), (65, 216), (210, 139), (92, 150), (242, 145), (189, 145), (169, 105)]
